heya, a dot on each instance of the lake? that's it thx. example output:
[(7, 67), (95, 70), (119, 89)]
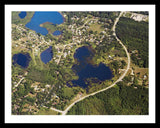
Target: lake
[(21, 59), (47, 55), (22, 14), (41, 17), (85, 70), (57, 33)]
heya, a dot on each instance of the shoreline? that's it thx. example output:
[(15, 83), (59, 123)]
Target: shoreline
[(64, 19)]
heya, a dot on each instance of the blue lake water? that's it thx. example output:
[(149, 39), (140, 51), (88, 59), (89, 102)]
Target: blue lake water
[(21, 59), (22, 14), (47, 55), (42, 17), (86, 70), (82, 54), (57, 33)]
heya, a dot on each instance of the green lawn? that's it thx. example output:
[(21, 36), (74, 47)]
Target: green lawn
[(95, 27), (45, 111), (68, 92)]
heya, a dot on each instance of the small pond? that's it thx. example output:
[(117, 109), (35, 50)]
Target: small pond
[(21, 59), (22, 14), (57, 33), (47, 55), (85, 70)]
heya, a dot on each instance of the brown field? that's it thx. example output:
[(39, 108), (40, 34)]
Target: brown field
[(142, 71)]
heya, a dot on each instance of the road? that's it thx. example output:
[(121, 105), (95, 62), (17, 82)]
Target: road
[(54, 109), (120, 78), (114, 33), (19, 82)]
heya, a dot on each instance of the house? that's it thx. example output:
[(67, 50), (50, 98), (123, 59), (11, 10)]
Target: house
[(36, 50), (135, 51), (135, 87), (20, 76), (110, 57), (14, 83), (144, 77), (65, 54), (56, 60), (54, 103), (43, 89), (47, 86), (35, 88)]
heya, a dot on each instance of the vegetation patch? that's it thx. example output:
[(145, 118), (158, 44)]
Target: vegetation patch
[(135, 36), (115, 101)]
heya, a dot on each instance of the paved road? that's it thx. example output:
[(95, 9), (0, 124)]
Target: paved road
[(19, 82), (120, 78), (114, 33), (56, 110)]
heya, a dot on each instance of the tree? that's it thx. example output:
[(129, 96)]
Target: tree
[(115, 65), (90, 32), (123, 63), (135, 80)]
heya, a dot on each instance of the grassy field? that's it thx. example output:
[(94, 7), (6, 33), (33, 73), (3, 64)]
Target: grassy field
[(17, 20), (68, 92), (45, 111), (95, 27), (142, 71)]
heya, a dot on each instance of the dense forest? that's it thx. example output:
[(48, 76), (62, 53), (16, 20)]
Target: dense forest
[(134, 35), (120, 100), (108, 43)]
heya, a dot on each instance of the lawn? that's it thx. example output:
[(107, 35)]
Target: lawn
[(95, 27), (68, 92), (45, 111), (142, 71)]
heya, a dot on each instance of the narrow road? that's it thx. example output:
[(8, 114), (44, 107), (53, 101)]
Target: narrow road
[(19, 82), (114, 33), (120, 78), (54, 109)]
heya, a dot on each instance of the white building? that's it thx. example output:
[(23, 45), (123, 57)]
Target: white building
[(65, 54), (47, 86)]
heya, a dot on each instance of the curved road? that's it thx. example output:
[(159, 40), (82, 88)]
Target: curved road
[(120, 78)]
